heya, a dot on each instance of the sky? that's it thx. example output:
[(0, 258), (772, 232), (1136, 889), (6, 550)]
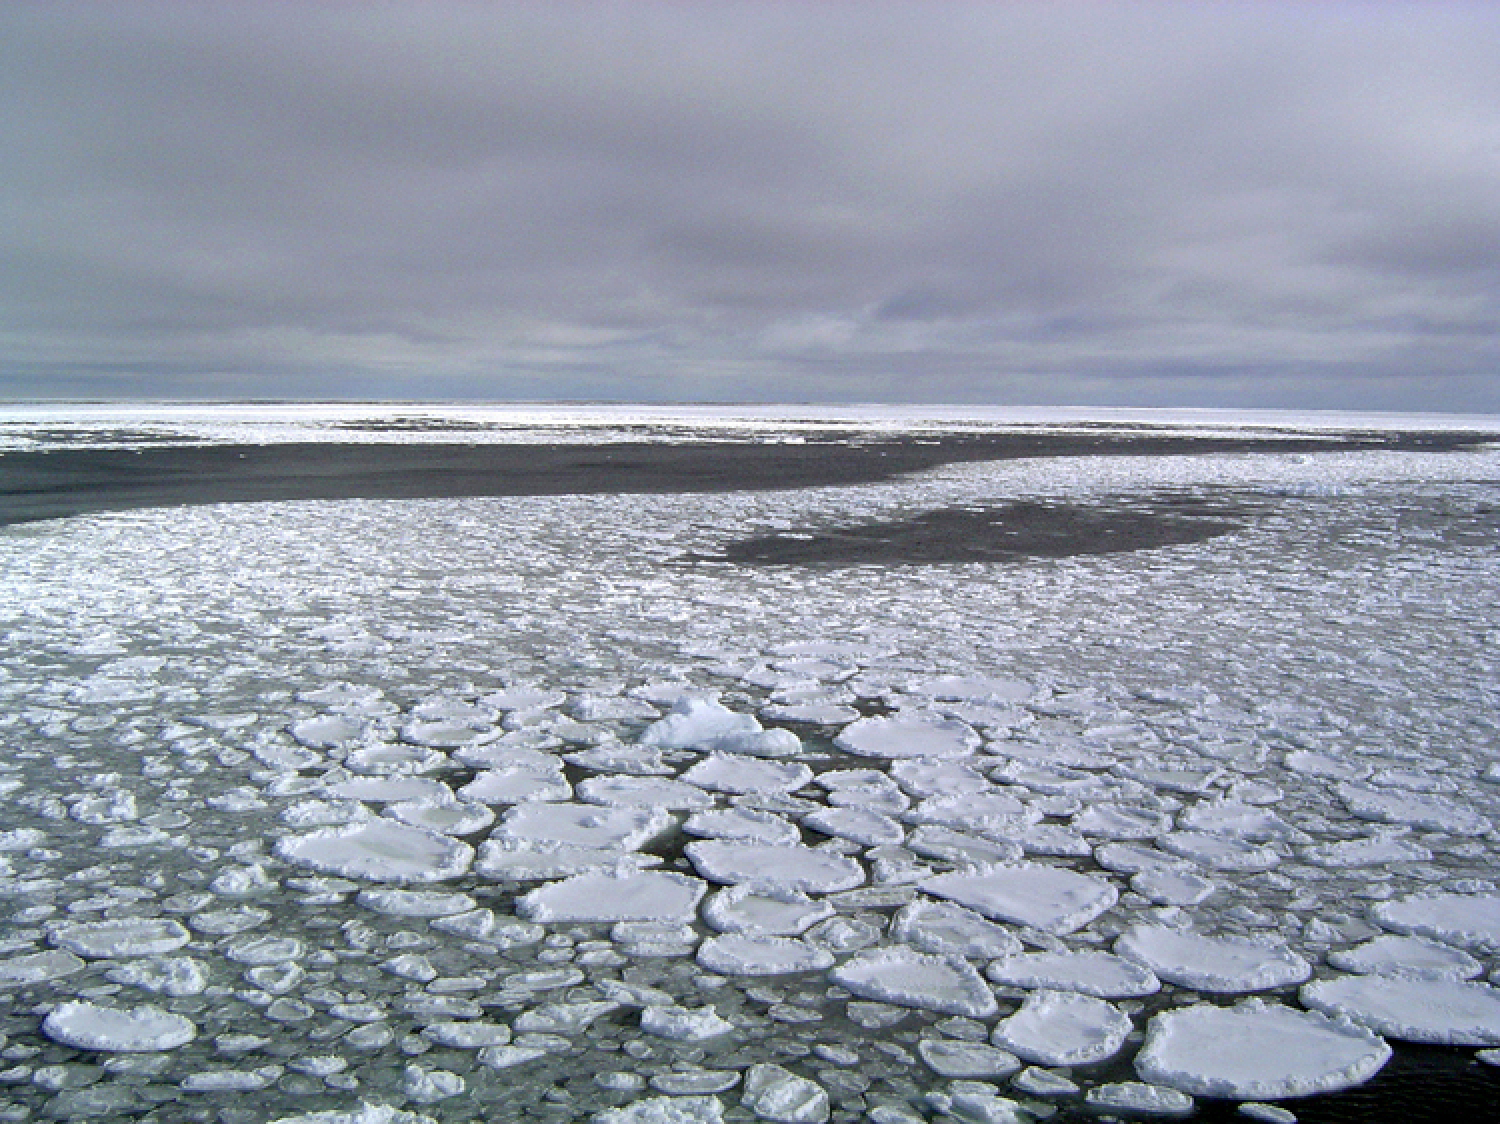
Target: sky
[(1126, 204)]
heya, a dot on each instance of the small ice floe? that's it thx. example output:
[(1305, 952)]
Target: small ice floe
[(701, 723), (1441, 1012), (738, 774), (1134, 1098), (392, 759), (1431, 813), (811, 713), (1050, 898), (1131, 858), (507, 860), (482, 925), (1471, 921), (635, 896), (583, 825), (389, 790), (564, 1018), (925, 778), (951, 930), (1219, 852), (743, 825), (1222, 965), (38, 967), (962, 847), (445, 818), (1257, 1051), (695, 1082), (644, 792), (903, 976), (684, 1024), (1063, 1028), (89, 1026), (974, 688), (763, 910), (517, 785), (613, 757), (379, 850), (778, 1095), (174, 976), (1407, 956), (967, 1060), (1172, 887), (263, 950), (789, 866), (1043, 1083), (1121, 822), (908, 735), (120, 939), (364, 1114), (666, 1110), (329, 731), (467, 1035), (1232, 817), (524, 698), (993, 812), (858, 825), (741, 954), (863, 788), (415, 903), (1089, 973), (1311, 764)]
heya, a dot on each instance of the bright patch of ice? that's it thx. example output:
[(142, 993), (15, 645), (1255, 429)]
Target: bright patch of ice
[(763, 910), (924, 777), (583, 825), (744, 825), (1121, 822), (643, 792), (122, 939), (699, 723), (1257, 1050), (88, 1026), (740, 954), (994, 811), (967, 1060), (38, 967), (1219, 852), (176, 976), (388, 758), (791, 866), (908, 735), (974, 688), (445, 819), (684, 1024), (1051, 898), (1223, 965), (1470, 921), (1442, 1012), (1063, 1028), (516, 786), (1407, 956), (666, 1110), (509, 860), (1089, 973), (390, 790), (778, 1095), (380, 851), (1232, 817), (1172, 887), (903, 976), (1377, 850), (736, 773), (1432, 813), (962, 847), (1133, 1098), (329, 731), (952, 930), (415, 903), (636, 896), (365, 1114), (859, 825)]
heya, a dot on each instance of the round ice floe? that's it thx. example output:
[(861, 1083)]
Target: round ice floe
[(415, 903), (1089, 973), (1470, 921), (944, 843), (738, 774), (38, 967), (952, 930), (1224, 965), (739, 954), (967, 1060), (996, 812), (1232, 817), (1121, 822), (1172, 887), (859, 825), (390, 759), (1432, 813), (1257, 1050), (1379, 850), (380, 851), (390, 790), (329, 731), (635, 896), (1407, 956), (903, 976), (121, 939), (791, 866), (1063, 1028), (1130, 858), (88, 1026), (517, 786), (811, 713), (524, 698), (1051, 898), (924, 777), (644, 792), (445, 819), (908, 735), (1442, 1012), (1219, 852), (583, 825), (666, 1110), (763, 910), (744, 825), (441, 733)]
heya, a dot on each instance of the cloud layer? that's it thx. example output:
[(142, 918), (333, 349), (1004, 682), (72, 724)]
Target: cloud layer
[(1179, 204)]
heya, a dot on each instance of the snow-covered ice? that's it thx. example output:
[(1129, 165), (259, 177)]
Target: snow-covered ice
[(1088, 972), (90, 1026), (1051, 898), (1446, 1012), (947, 984), (1224, 965), (1063, 1028)]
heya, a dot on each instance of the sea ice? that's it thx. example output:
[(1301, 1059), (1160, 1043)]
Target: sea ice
[(1132, 1098), (908, 735), (743, 825), (38, 967), (415, 903), (896, 974), (924, 777), (644, 792), (583, 825), (952, 930), (517, 786), (380, 851), (445, 819), (684, 1024), (1442, 1012), (1089, 972), (1432, 813), (790, 866), (1378, 850), (763, 910), (966, 1060), (122, 939), (1121, 822), (1407, 956), (778, 1095), (738, 954), (738, 774), (994, 812), (699, 723), (89, 1026), (666, 1110), (1470, 921), (635, 896), (962, 847), (1051, 898), (1219, 852), (1223, 965), (1172, 887), (858, 825), (1257, 1051), (1063, 1028)]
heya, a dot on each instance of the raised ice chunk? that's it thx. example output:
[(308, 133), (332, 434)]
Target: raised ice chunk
[(1470, 921), (634, 896), (780, 1096), (790, 866), (1089, 973), (739, 954), (583, 825), (684, 1024), (666, 1110), (1224, 965), (952, 930), (699, 723), (89, 1026), (379, 851), (1063, 1028), (1051, 898), (643, 792), (737, 773), (908, 735), (1257, 1051), (859, 825), (1407, 956), (900, 975), (1441, 1012), (118, 940), (1132, 1098), (744, 825), (763, 911), (1432, 813)]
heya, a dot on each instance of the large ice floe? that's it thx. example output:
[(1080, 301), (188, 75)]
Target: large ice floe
[(540, 808)]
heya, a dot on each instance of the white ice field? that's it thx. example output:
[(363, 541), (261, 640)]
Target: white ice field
[(516, 809)]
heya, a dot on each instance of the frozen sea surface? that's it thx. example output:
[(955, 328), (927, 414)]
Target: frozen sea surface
[(537, 808)]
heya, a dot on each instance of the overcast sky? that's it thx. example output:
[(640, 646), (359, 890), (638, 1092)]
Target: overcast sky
[(1252, 204)]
